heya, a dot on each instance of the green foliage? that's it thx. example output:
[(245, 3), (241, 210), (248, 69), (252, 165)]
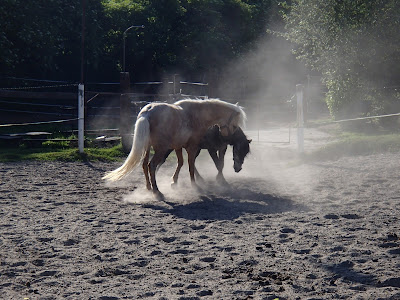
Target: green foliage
[(42, 39), (354, 44), (61, 154), (56, 145), (189, 36), (37, 35)]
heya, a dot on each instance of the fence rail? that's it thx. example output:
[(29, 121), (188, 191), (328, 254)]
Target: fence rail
[(301, 125), (40, 105), (36, 95), (38, 123), (354, 119)]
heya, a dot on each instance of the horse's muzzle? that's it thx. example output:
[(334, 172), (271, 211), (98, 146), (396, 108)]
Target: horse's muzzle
[(237, 168)]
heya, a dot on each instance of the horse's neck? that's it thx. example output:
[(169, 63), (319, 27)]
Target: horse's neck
[(230, 139), (212, 139), (238, 135)]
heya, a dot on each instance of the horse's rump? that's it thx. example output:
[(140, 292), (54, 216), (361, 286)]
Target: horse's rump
[(168, 126)]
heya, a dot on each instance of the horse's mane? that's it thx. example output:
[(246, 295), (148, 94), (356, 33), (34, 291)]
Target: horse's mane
[(235, 107)]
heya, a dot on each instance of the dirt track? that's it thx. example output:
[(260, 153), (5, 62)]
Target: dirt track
[(324, 231)]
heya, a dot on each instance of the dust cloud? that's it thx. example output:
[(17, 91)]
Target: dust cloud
[(266, 170), (264, 82)]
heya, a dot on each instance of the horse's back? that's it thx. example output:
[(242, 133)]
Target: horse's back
[(157, 108), (167, 125), (201, 109)]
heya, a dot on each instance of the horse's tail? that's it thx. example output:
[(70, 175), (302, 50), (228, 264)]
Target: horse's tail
[(140, 144)]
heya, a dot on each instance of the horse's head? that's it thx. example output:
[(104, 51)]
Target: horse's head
[(241, 147)]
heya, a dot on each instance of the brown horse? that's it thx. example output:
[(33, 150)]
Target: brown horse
[(217, 144), (175, 126)]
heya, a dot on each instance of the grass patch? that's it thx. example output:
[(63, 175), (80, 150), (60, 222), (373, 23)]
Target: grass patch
[(351, 144), (61, 154), (53, 153)]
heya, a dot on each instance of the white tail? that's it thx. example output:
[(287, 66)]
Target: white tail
[(140, 144)]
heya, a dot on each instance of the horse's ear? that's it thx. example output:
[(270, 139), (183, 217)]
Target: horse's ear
[(249, 141)]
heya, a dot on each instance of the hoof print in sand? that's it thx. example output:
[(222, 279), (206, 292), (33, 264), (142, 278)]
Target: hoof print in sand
[(331, 217), (392, 282), (208, 259), (168, 239)]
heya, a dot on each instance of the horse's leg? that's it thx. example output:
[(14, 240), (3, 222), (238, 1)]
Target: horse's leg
[(221, 163), (178, 167), (158, 158), (166, 156), (196, 173), (145, 166), (192, 151), (214, 156)]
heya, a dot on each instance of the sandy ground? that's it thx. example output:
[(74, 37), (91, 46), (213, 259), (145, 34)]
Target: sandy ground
[(327, 230)]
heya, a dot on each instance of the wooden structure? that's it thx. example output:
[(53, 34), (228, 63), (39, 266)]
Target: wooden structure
[(110, 109)]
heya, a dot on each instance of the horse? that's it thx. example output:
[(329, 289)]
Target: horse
[(175, 126), (217, 144)]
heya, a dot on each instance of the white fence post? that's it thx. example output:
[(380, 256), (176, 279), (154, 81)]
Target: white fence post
[(300, 118), (81, 117)]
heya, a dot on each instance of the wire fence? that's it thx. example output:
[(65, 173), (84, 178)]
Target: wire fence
[(353, 119), (38, 123), (36, 105), (51, 102)]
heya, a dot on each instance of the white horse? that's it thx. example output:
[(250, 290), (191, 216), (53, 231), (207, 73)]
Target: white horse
[(175, 126)]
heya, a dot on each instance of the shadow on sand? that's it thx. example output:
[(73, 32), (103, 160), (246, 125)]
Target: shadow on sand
[(345, 271), (227, 203)]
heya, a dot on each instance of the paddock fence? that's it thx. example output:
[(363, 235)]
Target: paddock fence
[(302, 125), (297, 123), (41, 110)]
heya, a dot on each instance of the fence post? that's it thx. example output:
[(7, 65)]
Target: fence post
[(125, 113), (212, 84), (81, 117), (165, 90), (177, 87), (300, 118)]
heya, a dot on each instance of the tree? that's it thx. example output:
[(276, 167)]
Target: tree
[(35, 35), (191, 37), (353, 43), (42, 38)]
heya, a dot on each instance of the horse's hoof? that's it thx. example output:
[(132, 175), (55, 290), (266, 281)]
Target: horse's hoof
[(158, 195), (200, 180), (221, 180), (194, 184), (196, 187)]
